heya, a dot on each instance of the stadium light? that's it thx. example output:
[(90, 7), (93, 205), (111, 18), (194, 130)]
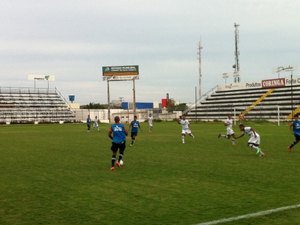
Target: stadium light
[(225, 76)]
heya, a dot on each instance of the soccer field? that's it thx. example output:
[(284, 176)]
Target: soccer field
[(60, 174)]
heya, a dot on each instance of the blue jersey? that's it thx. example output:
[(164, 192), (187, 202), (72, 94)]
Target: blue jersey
[(119, 133), (296, 127), (135, 126)]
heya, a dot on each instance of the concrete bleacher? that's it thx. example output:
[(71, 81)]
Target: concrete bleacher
[(235, 100), (28, 105)]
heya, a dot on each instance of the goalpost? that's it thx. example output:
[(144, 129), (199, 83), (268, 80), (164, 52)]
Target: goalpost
[(120, 73)]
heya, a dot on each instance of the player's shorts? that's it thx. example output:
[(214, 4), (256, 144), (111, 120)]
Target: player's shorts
[(134, 134), (254, 140), (115, 146), (187, 131), (297, 137), (229, 131)]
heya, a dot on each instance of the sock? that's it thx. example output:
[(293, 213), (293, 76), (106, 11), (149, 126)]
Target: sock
[(120, 157), (113, 160), (182, 139), (257, 149)]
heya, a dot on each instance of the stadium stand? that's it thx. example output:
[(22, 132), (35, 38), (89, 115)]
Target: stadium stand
[(257, 103), (28, 105)]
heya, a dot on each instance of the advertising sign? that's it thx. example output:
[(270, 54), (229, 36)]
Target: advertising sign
[(41, 77), (120, 72), (273, 83)]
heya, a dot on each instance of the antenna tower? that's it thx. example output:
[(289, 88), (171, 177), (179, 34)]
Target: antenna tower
[(200, 72), (236, 66)]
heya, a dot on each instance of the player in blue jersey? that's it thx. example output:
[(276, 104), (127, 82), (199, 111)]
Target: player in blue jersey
[(88, 122), (295, 127), (254, 140), (134, 126), (117, 133)]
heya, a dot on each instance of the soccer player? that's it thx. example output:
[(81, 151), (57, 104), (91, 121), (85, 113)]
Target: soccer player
[(229, 131), (295, 126), (96, 125), (185, 128), (134, 126), (150, 122), (117, 133), (254, 140), (88, 122)]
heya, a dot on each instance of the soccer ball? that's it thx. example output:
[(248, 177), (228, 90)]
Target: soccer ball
[(121, 162)]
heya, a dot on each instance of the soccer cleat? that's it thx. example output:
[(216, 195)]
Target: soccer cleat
[(289, 149), (118, 164), (112, 168), (262, 154)]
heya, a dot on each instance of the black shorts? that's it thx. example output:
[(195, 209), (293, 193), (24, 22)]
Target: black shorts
[(118, 146), (134, 134), (297, 137)]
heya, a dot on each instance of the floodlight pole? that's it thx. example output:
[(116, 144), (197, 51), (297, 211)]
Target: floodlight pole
[(288, 68), (133, 90), (108, 100), (200, 47), (292, 103)]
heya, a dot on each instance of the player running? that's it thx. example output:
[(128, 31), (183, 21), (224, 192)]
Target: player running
[(150, 122), (134, 126), (254, 140), (229, 131), (185, 128), (295, 126), (117, 133)]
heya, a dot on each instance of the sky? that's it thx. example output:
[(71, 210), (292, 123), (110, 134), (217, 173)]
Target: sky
[(73, 39)]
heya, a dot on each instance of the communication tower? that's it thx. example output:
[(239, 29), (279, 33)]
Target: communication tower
[(236, 66)]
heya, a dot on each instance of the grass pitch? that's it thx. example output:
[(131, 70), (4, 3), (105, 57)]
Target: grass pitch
[(60, 174)]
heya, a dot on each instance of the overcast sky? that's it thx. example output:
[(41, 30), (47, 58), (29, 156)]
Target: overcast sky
[(73, 39)]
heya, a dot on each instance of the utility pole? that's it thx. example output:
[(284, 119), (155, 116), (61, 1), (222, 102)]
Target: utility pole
[(200, 72), (236, 66)]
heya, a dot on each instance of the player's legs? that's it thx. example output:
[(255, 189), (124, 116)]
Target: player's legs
[(114, 149), (297, 139), (232, 138), (254, 143), (183, 136), (133, 136), (121, 152), (189, 132)]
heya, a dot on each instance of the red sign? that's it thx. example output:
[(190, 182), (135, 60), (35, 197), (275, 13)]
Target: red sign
[(280, 82)]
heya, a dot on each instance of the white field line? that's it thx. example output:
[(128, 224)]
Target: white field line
[(251, 215)]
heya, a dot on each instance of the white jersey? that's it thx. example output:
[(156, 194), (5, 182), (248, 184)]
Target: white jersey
[(150, 121), (185, 126), (228, 123), (254, 136)]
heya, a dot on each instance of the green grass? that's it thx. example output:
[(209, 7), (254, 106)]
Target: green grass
[(60, 174)]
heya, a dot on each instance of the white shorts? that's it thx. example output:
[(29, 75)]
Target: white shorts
[(188, 131), (229, 131), (254, 140)]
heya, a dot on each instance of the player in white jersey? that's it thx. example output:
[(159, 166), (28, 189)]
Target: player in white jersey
[(229, 131), (254, 140), (96, 125), (150, 122), (185, 128)]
